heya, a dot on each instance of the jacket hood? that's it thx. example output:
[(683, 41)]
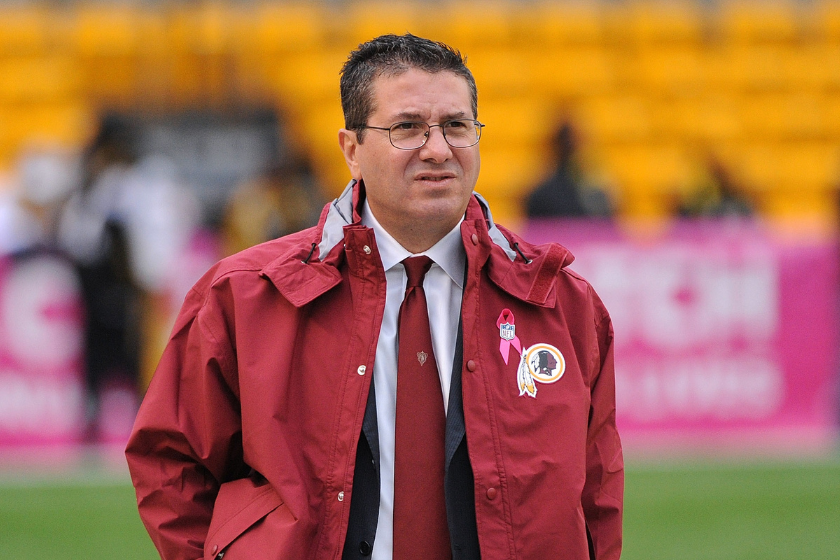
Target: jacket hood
[(310, 269)]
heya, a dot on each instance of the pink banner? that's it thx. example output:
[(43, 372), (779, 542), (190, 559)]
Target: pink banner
[(41, 354), (725, 335)]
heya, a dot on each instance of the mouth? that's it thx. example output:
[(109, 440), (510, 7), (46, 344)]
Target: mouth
[(434, 177)]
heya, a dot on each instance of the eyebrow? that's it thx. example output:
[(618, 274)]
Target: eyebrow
[(406, 116)]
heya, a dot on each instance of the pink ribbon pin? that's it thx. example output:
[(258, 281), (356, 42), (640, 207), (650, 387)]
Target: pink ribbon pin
[(507, 333)]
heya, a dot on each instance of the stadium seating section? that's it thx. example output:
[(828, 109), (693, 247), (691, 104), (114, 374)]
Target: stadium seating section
[(656, 89)]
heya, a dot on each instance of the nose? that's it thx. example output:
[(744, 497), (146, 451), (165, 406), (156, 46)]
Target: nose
[(436, 148)]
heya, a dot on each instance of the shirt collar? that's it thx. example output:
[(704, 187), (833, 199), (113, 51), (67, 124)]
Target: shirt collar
[(448, 253)]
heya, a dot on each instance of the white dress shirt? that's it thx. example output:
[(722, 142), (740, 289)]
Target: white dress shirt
[(443, 286)]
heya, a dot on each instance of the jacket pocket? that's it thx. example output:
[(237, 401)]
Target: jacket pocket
[(240, 506)]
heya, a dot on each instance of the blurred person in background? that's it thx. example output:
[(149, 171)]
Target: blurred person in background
[(126, 227), (405, 380), (283, 200), (716, 195), (566, 193), (91, 231), (31, 206)]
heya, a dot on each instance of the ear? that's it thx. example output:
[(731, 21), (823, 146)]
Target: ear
[(348, 141)]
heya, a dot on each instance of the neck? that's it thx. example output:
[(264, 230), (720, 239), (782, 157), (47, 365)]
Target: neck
[(419, 238)]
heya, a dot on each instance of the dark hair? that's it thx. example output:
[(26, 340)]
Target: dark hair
[(391, 55)]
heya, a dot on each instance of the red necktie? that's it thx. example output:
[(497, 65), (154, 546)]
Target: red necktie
[(420, 528)]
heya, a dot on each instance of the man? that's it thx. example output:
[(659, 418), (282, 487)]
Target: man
[(277, 425)]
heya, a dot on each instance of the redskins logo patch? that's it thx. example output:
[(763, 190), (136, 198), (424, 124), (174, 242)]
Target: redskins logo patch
[(541, 362)]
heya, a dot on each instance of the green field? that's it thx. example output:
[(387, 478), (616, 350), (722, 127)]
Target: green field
[(709, 511)]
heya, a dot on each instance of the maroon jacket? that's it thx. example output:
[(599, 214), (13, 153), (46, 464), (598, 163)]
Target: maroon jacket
[(246, 439)]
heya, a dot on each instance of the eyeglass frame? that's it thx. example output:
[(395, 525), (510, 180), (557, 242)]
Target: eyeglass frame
[(426, 136)]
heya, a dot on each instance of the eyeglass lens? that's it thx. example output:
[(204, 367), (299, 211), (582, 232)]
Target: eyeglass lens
[(458, 133)]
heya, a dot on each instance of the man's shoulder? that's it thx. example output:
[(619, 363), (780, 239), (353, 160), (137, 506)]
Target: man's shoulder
[(259, 256), (252, 261)]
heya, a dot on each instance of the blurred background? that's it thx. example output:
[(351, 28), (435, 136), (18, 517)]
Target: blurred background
[(688, 153)]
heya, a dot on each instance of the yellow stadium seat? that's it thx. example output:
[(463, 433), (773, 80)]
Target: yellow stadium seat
[(573, 71), (812, 165), (827, 19), (658, 21), (213, 27), (107, 42), (758, 67), (511, 171), (798, 215), (791, 167), (308, 78), (153, 33), (615, 118), (819, 66), (470, 24), (804, 67), (831, 111), (677, 119), (657, 167), (24, 29), (280, 27), (156, 74), (650, 177), (754, 165), (780, 116), (105, 29), (367, 19), (65, 123), (664, 70), (8, 147), (32, 79), (501, 72), (752, 21), (549, 24), (519, 121), (713, 118), (316, 132)]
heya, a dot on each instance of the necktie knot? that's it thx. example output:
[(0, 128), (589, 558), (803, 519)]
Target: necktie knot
[(416, 269)]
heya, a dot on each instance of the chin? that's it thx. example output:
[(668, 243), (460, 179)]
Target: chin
[(441, 211)]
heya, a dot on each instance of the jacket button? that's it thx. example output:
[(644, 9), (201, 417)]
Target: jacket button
[(366, 249), (471, 365), (474, 239), (491, 493), (341, 496), (215, 549), (361, 370), (365, 548)]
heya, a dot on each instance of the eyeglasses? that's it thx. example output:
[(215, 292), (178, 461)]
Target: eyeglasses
[(412, 135)]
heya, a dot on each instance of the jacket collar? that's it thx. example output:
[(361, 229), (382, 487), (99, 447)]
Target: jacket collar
[(524, 271)]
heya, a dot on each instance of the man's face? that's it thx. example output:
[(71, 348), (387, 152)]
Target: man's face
[(417, 195)]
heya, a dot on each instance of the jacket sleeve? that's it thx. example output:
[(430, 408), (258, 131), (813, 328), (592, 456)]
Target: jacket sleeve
[(187, 436), (603, 492)]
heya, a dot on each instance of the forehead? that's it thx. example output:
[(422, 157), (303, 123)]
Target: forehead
[(419, 94)]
